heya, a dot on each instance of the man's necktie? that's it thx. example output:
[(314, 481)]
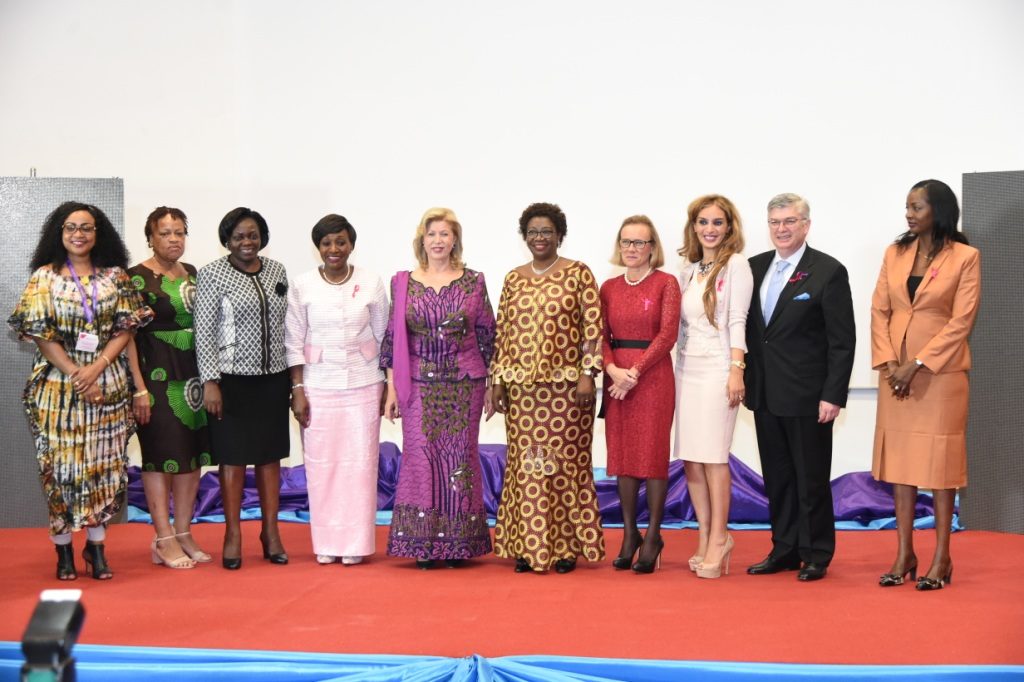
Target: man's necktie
[(774, 289)]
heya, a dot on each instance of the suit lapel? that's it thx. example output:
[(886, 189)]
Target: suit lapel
[(685, 276), (759, 269), (933, 268), (903, 267), (794, 284)]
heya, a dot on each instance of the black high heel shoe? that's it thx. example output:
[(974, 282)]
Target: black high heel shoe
[(522, 565), (280, 558), (623, 562), (642, 566), (926, 584), (454, 563), (96, 562), (892, 579), (66, 562), (565, 565), (424, 564), (231, 563)]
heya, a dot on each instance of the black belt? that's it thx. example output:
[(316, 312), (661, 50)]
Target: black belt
[(629, 343)]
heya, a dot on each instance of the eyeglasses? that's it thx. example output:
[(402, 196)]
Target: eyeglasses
[(788, 222), (533, 234), (635, 243), (84, 228)]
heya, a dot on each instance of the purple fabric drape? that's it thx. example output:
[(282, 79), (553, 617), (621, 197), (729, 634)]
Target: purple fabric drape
[(400, 370), (857, 497)]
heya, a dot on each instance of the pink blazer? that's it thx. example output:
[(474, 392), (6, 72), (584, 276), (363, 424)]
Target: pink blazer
[(936, 325), (735, 286)]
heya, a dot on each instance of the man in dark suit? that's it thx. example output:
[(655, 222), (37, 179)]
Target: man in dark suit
[(800, 340)]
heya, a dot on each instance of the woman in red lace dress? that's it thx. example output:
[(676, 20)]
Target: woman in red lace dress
[(641, 320)]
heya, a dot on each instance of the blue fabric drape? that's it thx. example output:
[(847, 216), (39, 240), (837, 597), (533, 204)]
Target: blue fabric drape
[(123, 664)]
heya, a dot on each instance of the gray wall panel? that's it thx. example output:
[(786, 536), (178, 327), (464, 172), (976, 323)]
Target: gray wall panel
[(24, 204), (993, 220)]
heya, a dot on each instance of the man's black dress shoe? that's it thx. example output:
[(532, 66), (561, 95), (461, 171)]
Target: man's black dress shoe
[(812, 571), (771, 564)]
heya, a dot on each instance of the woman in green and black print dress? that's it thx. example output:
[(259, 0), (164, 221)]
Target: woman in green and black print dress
[(168, 399)]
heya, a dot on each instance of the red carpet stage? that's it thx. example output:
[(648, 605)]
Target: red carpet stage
[(388, 606)]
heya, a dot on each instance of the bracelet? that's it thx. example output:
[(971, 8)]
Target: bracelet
[(739, 364), (104, 359), (140, 394), (295, 386)]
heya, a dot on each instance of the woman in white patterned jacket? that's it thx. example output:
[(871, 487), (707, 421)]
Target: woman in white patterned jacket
[(239, 329)]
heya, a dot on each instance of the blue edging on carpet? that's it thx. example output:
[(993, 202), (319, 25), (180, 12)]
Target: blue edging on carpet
[(155, 664)]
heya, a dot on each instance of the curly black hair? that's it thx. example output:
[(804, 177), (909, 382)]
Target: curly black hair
[(236, 215), (544, 210), (158, 213), (945, 216), (108, 250), (332, 223)]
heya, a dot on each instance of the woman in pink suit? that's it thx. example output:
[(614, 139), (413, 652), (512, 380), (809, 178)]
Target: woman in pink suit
[(337, 314), (717, 285), (922, 311)]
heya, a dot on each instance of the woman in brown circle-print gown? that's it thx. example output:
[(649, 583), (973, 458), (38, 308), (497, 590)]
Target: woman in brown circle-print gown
[(548, 352)]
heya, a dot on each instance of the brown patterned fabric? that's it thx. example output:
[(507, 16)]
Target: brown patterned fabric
[(549, 331), (548, 502)]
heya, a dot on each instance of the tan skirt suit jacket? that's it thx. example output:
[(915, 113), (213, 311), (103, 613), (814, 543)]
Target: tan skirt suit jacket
[(922, 440)]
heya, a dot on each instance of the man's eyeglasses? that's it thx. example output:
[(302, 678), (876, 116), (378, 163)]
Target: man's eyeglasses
[(788, 222)]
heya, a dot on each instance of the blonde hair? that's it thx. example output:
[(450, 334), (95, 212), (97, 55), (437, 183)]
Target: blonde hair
[(657, 253), (433, 215), (732, 243)]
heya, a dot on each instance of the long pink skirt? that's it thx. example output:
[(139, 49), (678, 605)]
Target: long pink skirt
[(341, 447)]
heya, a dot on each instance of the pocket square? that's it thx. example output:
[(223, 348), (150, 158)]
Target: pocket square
[(802, 297)]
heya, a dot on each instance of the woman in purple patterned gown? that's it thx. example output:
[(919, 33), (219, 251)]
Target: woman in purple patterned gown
[(436, 351)]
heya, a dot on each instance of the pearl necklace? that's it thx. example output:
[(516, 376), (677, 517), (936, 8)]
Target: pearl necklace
[(631, 283), (343, 279), (541, 272)]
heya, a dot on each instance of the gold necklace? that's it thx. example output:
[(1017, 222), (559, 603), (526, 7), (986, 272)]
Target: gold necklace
[(344, 279)]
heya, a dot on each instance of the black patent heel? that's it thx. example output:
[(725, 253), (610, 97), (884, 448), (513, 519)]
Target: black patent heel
[(623, 562), (280, 558), (648, 566)]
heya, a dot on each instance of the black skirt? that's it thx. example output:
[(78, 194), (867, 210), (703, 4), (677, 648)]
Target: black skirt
[(255, 426)]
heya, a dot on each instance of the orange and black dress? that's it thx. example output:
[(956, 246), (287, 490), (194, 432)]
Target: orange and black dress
[(549, 332)]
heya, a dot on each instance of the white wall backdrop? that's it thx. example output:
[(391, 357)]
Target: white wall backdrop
[(380, 110)]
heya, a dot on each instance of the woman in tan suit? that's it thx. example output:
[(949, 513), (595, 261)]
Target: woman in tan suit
[(922, 311)]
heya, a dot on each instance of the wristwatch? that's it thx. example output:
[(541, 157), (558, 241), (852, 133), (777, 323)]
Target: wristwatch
[(738, 363), (590, 372)]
